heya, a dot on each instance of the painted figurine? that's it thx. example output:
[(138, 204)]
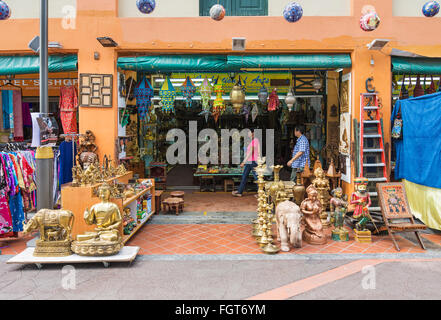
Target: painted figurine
[(362, 201), (338, 210), (321, 184), (311, 209)]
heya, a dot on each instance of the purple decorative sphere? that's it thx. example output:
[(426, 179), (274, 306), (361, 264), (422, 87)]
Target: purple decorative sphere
[(146, 6), (293, 12), (431, 9), (5, 11)]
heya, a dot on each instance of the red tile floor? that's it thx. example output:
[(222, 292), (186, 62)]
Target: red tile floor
[(187, 239)]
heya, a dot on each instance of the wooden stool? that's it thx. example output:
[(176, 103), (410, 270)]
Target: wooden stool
[(177, 194), (207, 181), (173, 204), (228, 183), (158, 200)]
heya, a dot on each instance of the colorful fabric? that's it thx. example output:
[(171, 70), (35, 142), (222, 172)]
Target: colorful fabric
[(274, 102), (168, 96), (68, 109), (5, 214), (143, 92), (18, 115), (302, 145), (26, 111), (7, 108)]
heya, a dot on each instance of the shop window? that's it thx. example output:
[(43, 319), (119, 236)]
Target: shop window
[(236, 7)]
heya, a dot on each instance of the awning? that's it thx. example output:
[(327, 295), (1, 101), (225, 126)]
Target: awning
[(422, 66), (31, 64), (225, 63)]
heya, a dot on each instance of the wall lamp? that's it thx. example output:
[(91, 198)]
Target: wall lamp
[(107, 42)]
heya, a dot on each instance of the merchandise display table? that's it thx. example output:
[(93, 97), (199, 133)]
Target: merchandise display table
[(127, 254)]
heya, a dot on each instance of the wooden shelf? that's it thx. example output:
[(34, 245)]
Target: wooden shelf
[(136, 196), (127, 237)]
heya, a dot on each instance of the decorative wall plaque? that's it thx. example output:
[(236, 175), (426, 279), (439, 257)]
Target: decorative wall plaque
[(96, 90)]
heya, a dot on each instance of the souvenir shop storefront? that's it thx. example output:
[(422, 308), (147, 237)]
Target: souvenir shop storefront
[(20, 131), (157, 93)]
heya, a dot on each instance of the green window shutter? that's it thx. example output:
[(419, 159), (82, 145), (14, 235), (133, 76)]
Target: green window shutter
[(205, 6), (250, 7)]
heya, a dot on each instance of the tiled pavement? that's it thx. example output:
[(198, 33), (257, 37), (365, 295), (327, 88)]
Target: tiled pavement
[(232, 239)]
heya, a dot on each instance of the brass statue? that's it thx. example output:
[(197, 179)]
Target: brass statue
[(87, 150), (321, 184), (55, 228), (339, 206), (311, 209), (106, 239)]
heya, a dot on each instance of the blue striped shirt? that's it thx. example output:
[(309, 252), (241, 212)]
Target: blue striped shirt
[(302, 145)]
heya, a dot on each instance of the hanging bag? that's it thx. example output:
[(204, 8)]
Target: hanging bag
[(397, 129)]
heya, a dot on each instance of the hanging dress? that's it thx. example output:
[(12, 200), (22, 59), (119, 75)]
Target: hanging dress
[(5, 213), (68, 109)]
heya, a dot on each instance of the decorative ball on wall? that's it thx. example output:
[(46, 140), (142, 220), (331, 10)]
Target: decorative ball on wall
[(370, 21), (146, 6), (5, 11), (293, 12), (431, 9), (217, 12)]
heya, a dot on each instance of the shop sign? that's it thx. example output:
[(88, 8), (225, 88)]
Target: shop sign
[(31, 87)]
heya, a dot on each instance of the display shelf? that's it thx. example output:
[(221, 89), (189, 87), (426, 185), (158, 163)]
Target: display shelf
[(127, 237), (125, 203)]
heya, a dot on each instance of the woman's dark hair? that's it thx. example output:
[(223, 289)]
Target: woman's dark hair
[(300, 128)]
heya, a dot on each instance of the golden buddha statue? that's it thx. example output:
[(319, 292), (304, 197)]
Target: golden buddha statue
[(106, 239), (321, 184)]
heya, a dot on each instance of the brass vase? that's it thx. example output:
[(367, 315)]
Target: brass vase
[(299, 190)]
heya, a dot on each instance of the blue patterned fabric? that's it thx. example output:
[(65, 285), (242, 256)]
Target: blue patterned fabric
[(302, 145)]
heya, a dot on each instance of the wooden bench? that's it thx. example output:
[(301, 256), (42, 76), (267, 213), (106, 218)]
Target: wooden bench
[(394, 206), (158, 200)]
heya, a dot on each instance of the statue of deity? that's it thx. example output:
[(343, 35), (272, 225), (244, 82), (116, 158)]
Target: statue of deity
[(362, 201), (312, 208), (106, 239), (321, 184), (338, 210)]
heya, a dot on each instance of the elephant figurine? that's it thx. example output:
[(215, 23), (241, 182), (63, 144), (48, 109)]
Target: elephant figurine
[(289, 218)]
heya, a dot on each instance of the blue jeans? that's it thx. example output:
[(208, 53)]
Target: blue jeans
[(246, 171)]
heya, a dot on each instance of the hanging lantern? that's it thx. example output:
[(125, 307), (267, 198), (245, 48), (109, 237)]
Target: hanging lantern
[(263, 95), (290, 100), (143, 93), (369, 21), (274, 102), (418, 91), (5, 11), (293, 12), (317, 84), (254, 112), (188, 90), (217, 12), (237, 96), (432, 87), (246, 112), (431, 9), (218, 104), (168, 96), (205, 91), (404, 94), (146, 6)]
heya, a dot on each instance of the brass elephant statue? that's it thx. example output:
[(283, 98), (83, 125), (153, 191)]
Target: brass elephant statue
[(289, 218), (54, 225)]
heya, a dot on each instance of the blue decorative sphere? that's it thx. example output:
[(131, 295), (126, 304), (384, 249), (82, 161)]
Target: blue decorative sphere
[(5, 11), (146, 6), (431, 9), (293, 12)]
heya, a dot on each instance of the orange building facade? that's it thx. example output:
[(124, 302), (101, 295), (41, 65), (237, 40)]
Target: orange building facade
[(269, 35)]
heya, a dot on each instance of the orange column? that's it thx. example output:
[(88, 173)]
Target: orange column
[(95, 20)]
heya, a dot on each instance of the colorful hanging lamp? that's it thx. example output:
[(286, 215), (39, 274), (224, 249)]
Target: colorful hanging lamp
[(146, 6), (218, 104), (432, 87), (274, 101), (237, 96), (5, 11), (431, 9), (404, 94), (217, 12), (143, 93), (205, 91), (290, 99), (254, 112), (188, 90), (418, 91), (293, 12), (263, 95), (168, 96)]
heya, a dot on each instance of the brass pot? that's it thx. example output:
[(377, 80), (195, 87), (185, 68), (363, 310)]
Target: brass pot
[(237, 97), (298, 191)]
